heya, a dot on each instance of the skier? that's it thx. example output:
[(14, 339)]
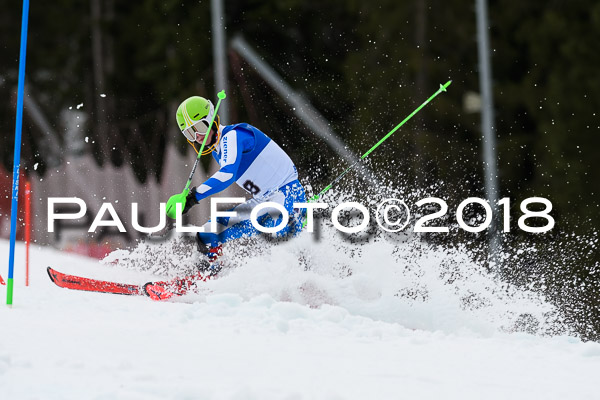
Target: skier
[(249, 158)]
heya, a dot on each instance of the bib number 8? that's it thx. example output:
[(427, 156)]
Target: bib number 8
[(251, 187), (545, 213)]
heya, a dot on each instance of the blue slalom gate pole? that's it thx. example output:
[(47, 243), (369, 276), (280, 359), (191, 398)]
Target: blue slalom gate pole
[(17, 156)]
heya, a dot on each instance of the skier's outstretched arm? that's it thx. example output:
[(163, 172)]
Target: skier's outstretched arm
[(229, 162)]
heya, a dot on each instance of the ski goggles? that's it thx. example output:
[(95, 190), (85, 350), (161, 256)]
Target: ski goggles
[(199, 128)]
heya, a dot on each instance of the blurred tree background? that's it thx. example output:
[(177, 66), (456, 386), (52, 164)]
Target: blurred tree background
[(364, 65)]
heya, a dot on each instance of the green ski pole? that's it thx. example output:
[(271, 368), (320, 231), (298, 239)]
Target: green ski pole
[(326, 189), (180, 197)]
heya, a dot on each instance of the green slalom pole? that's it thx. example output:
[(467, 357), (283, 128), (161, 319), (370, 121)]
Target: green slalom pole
[(326, 189), (180, 197)]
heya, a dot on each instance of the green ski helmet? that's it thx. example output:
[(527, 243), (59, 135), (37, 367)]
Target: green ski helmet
[(193, 116)]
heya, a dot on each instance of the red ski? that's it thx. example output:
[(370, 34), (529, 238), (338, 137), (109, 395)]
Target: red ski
[(162, 290), (93, 285)]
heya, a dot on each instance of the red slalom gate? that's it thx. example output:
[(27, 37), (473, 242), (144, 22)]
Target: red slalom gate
[(27, 233), (27, 228)]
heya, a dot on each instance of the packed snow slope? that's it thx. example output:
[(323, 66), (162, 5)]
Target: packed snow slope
[(301, 320)]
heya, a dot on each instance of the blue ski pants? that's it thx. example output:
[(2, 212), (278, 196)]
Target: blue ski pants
[(231, 228)]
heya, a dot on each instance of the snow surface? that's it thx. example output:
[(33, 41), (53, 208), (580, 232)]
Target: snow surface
[(351, 327)]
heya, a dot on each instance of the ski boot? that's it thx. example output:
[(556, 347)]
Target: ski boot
[(210, 266), (164, 290), (207, 269)]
